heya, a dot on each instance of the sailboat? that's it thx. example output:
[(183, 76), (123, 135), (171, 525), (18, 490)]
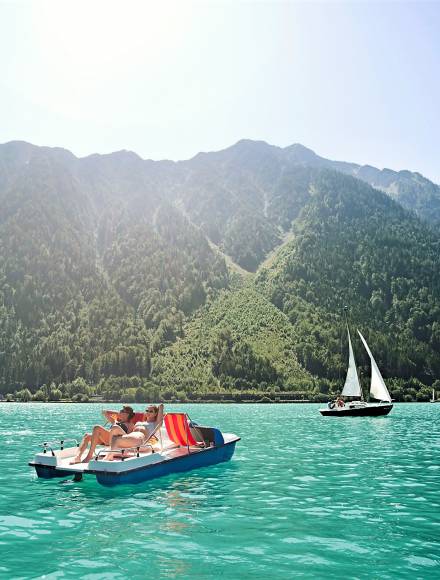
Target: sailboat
[(433, 399), (352, 388)]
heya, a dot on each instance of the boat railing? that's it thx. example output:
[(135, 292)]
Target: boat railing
[(49, 445), (122, 452)]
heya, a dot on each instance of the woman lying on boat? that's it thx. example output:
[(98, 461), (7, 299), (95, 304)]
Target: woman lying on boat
[(121, 424), (141, 434)]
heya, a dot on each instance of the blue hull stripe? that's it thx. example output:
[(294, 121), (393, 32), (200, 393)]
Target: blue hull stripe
[(211, 456)]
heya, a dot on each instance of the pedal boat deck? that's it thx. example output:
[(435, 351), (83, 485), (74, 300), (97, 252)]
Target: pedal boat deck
[(141, 464)]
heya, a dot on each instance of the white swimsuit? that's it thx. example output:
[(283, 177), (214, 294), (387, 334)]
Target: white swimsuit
[(149, 426)]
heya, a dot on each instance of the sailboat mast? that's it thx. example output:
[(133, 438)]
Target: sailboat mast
[(350, 345)]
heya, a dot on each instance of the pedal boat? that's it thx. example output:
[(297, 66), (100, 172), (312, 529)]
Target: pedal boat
[(180, 446)]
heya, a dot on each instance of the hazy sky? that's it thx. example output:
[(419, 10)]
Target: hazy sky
[(353, 81)]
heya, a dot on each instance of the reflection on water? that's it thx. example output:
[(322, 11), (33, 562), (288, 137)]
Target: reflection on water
[(304, 496)]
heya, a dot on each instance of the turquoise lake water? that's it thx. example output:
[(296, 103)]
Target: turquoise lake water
[(304, 497)]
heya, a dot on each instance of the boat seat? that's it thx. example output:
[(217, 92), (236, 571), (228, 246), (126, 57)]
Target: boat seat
[(209, 434), (137, 417), (179, 430)]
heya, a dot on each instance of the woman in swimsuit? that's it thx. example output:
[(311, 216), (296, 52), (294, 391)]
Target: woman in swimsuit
[(121, 425), (141, 433)]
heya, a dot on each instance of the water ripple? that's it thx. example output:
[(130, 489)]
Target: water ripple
[(304, 496)]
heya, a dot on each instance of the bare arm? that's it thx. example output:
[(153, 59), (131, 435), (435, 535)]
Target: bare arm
[(140, 429), (160, 414), (110, 416)]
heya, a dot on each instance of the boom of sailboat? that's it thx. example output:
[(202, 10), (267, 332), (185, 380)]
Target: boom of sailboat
[(352, 388)]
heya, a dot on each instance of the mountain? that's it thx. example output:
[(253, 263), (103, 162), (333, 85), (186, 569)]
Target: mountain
[(413, 191), (245, 197), (96, 268), (238, 341), (131, 274), (355, 247)]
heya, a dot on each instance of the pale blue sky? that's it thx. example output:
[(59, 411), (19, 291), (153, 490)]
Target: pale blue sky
[(353, 81)]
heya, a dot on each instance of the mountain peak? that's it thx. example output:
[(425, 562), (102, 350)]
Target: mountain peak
[(21, 153), (122, 155), (252, 144), (24, 148), (299, 148), (244, 149), (297, 153)]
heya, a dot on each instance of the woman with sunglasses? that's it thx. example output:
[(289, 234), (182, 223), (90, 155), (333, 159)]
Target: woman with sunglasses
[(142, 432), (121, 424)]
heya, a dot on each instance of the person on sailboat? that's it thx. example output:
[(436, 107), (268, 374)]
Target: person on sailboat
[(340, 402)]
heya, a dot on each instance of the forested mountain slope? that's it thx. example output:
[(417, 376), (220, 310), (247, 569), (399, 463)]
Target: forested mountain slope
[(109, 268), (355, 247), (411, 189), (239, 341), (352, 246), (245, 197), (94, 272)]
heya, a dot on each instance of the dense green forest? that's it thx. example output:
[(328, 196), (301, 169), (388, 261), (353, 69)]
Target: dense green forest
[(355, 247), (114, 277)]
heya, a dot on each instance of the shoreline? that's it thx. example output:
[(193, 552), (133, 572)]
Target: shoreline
[(198, 402)]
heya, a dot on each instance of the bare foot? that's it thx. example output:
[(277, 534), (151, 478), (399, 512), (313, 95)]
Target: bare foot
[(75, 460), (146, 449)]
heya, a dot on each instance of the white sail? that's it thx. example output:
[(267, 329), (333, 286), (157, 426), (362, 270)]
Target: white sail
[(378, 388), (352, 388)]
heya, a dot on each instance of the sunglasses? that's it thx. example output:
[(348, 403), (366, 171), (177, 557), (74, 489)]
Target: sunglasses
[(152, 411)]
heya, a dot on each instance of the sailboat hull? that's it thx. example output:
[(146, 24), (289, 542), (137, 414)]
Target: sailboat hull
[(369, 410)]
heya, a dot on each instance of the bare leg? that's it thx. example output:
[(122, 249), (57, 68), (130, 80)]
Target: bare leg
[(113, 441), (85, 441), (135, 439), (101, 436), (114, 435), (113, 445)]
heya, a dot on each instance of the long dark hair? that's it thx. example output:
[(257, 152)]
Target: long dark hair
[(128, 410)]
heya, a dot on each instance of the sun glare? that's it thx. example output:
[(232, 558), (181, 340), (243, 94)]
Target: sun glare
[(95, 49)]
